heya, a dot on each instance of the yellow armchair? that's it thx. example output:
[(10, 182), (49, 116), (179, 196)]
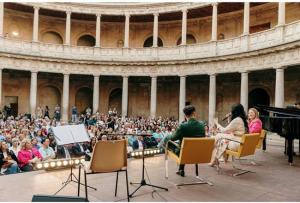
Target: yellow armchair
[(193, 151), (248, 145)]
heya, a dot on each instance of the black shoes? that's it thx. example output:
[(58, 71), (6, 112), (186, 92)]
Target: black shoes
[(180, 173)]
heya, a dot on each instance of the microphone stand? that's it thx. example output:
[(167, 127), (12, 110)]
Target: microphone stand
[(143, 181)]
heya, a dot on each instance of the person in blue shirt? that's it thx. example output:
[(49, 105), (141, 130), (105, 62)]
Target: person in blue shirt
[(46, 151)]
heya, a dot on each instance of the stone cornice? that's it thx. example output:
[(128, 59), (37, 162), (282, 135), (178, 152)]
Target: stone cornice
[(260, 61), (117, 10), (269, 50)]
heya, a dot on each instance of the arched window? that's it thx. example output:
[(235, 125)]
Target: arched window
[(86, 41), (52, 38), (149, 42), (190, 39)]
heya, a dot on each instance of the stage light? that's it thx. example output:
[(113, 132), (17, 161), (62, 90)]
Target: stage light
[(39, 166), (58, 163), (82, 161), (71, 162), (52, 164), (65, 163), (77, 161), (46, 165), (140, 153)]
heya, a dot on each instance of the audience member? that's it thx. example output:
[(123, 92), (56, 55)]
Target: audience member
[(28, 156), (8, 160), (46, 151)]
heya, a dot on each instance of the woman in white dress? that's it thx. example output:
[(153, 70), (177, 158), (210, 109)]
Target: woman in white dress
[(233, 131)]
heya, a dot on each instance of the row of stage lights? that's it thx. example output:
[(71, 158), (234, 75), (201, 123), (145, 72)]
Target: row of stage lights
[(59, 163), (147, 152), (76, 161)]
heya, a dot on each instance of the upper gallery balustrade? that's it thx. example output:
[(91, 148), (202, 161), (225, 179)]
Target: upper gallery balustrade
[(273, 37)]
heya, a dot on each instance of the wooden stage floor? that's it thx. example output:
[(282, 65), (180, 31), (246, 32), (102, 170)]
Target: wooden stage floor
[(274, 180)]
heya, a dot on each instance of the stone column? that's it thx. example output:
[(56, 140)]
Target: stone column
[(33, 93), (125, 96), (184, 27), (1, 18), (153, 96), (246, 18), (182, 98), (126, 37), (155, 29), (65, 102), (68, 28), (96, 94), (212, 99), (281, 13), (244, 90), (214, 28), (35, 33), (1, 88), (98, 30), (279, 88)]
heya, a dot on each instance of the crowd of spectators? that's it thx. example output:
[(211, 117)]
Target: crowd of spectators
[(25, 140)]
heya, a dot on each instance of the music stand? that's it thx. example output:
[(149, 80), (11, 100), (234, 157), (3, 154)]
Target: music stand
[(143, 181), (70, 134)]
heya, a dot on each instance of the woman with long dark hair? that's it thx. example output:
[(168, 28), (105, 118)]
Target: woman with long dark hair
[(237, 126)]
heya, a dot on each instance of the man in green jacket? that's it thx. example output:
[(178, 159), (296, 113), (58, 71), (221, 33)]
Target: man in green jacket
[(190, 128)]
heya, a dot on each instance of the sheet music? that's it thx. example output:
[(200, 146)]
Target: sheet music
[(69, 134)]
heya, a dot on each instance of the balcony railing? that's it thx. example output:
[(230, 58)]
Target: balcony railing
[(261, 40)]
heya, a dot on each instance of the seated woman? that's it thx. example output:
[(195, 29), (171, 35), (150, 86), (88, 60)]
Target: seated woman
[(15, 146), (236, 128), (28, 155), (8, 160), (254, 123)]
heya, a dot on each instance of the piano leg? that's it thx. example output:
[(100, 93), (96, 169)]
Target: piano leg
[(290, 149), (265, 143), (285, 146)]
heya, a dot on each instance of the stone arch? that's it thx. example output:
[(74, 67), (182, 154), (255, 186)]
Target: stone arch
[(83, 99), (258, 96), (52, 37), (148, 42), (50, 96), (190, 39), (86, 40), (115, 100)]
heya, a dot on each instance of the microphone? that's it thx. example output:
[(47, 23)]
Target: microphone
[(226, 116)]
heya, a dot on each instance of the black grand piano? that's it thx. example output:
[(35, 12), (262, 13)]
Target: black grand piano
[(283, 121)]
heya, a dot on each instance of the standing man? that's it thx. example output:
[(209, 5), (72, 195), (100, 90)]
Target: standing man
[(74, 114), (190, 128)]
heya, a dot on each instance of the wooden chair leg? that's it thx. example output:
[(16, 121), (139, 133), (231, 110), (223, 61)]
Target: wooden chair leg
[(85, 185), (79, 174), (127, 186), (116, 188)]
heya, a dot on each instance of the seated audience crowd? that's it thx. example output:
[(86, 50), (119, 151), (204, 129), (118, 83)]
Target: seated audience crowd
[(25, 140)]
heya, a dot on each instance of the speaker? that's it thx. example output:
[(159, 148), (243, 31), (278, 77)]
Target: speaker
[(57, 198)]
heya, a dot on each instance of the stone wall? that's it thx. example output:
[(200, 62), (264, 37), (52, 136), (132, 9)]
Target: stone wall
[(229, 24)]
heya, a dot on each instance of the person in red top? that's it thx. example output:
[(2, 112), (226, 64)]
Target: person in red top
[(28, 156), (254, 123)]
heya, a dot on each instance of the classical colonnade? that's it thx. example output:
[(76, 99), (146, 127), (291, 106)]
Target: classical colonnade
[(35, 33), (279, 93)]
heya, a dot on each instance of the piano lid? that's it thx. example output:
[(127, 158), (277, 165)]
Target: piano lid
[(290, 111)]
